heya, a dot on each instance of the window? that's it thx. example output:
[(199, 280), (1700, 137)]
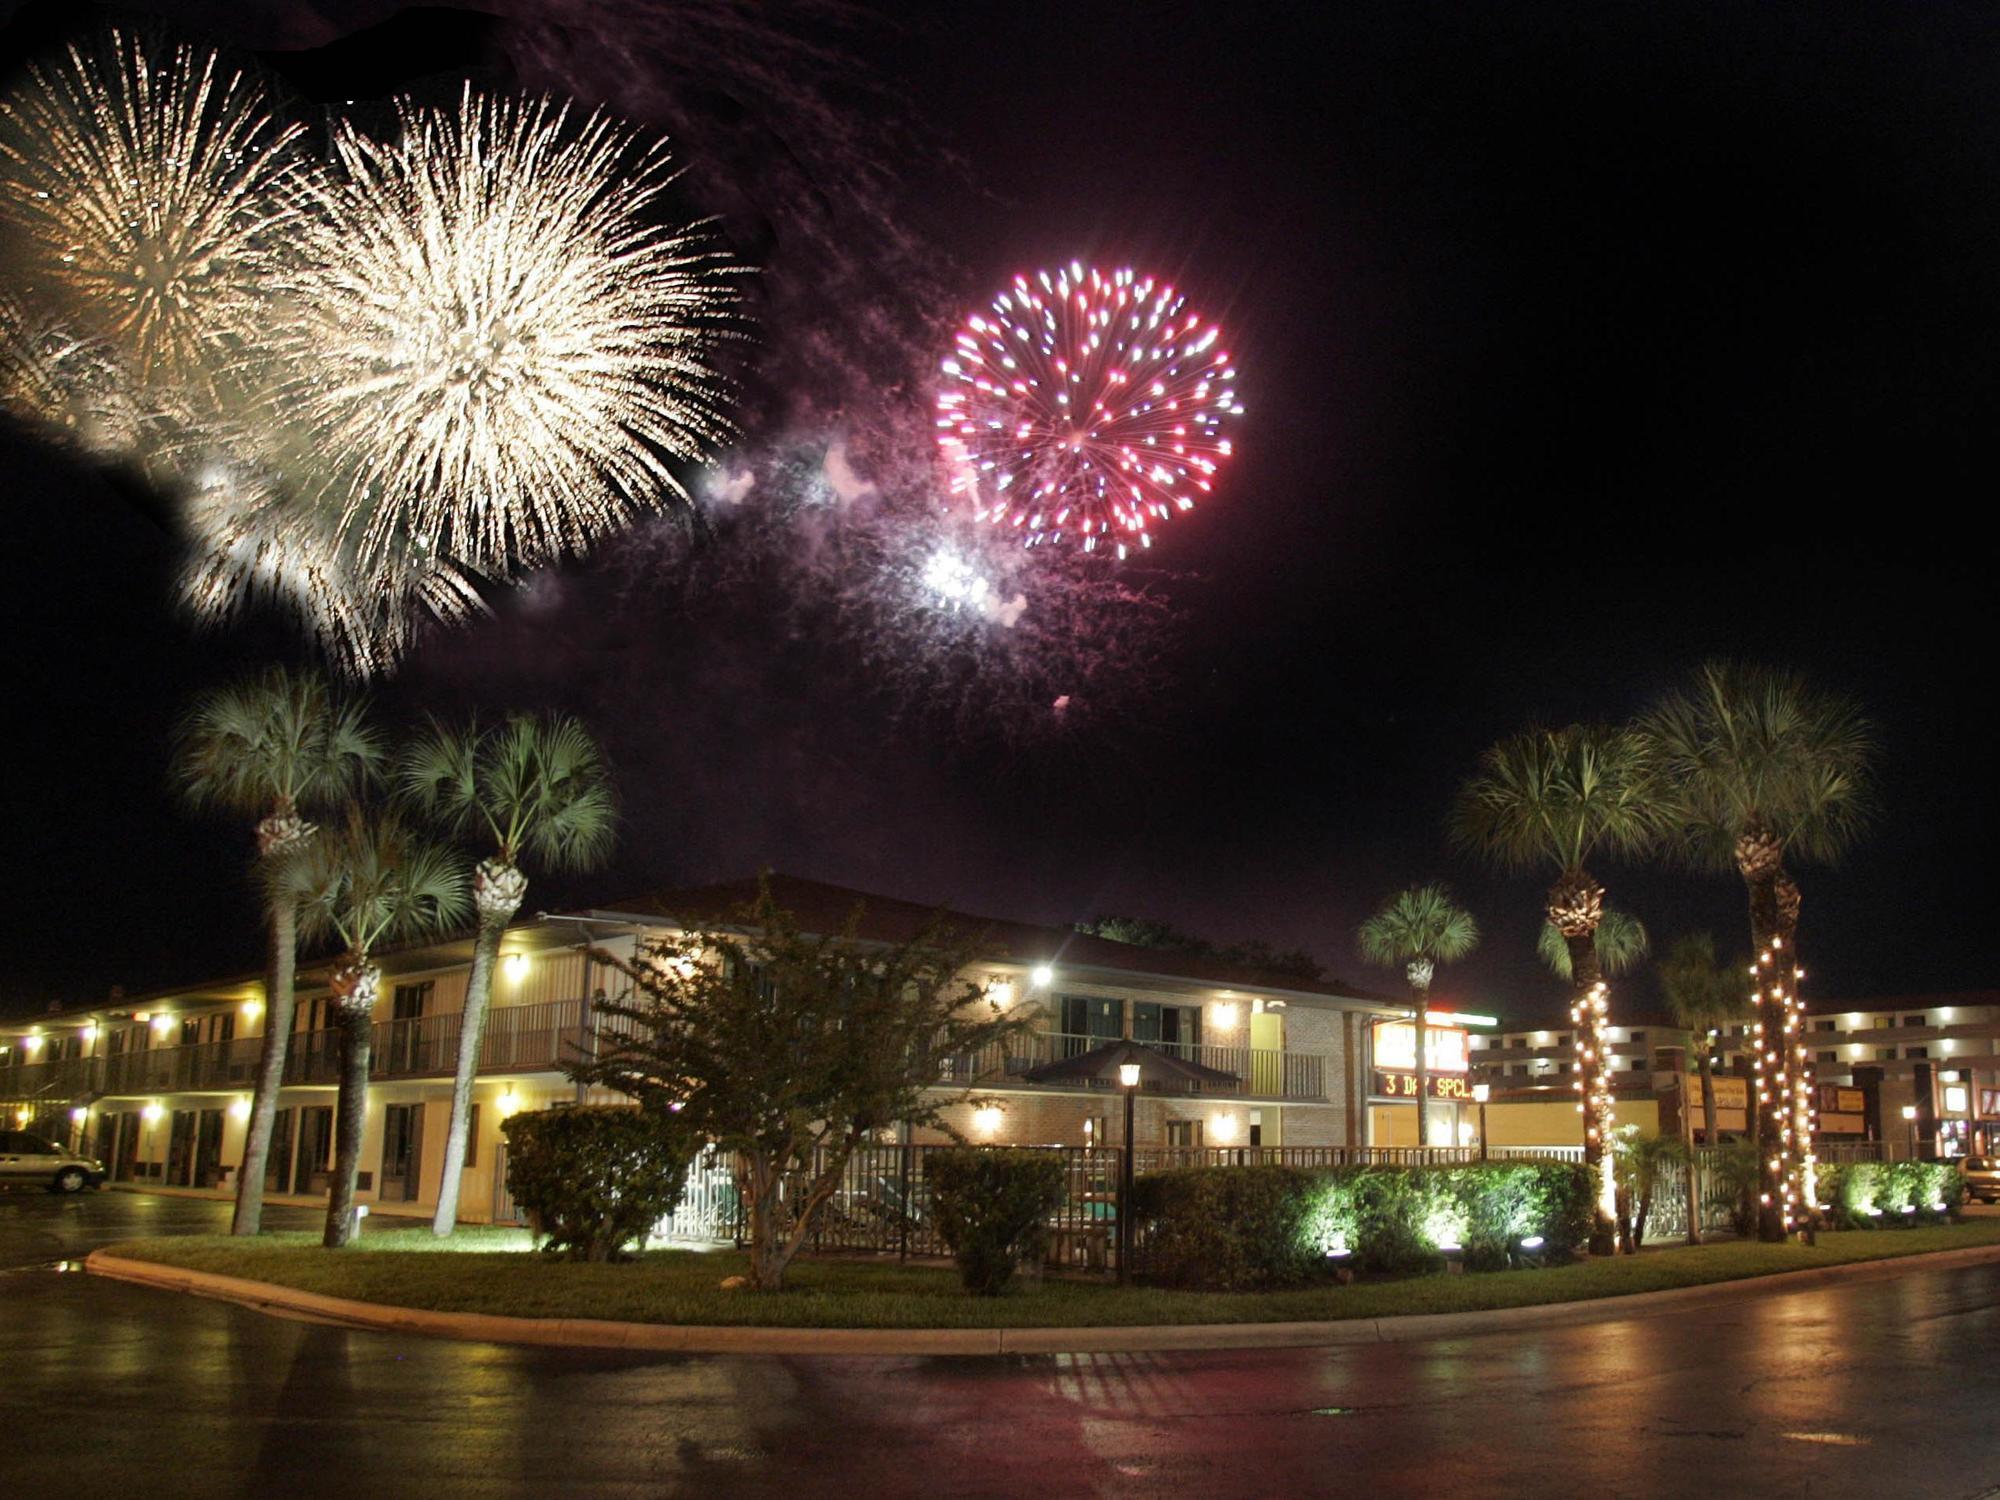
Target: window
[(1823, 1026), (1088, 1016), (472, 1137), (1827, 1057), (1885, 1054), (1638, 1038), (1913, 1021), (190, 1031), (1884, 1022), (1515, 1070), (1916, 1052), (1172, 1025), (410, 1001), (1184, 1133)]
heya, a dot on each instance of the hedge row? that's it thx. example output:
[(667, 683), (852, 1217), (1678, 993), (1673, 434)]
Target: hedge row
[(1879, 1194), (1237, 1228), (595, 1180)]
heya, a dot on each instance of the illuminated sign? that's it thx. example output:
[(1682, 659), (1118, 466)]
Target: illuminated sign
[(1732, 1102), (1396, 1049), (1956, 1098), (1404, 1086)]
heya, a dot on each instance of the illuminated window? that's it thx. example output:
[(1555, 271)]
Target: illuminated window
[(1913, 1020), (1185, 1133)]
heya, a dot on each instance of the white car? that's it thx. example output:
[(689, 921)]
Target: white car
[(30, 1161)]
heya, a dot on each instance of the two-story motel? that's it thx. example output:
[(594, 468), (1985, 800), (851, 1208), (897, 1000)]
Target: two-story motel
[(158, 1085)]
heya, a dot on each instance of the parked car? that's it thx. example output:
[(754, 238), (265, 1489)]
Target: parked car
[(1982, 1178), (30, 1161)]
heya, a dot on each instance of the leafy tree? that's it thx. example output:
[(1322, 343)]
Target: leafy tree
[(536, 787), (277, 747), (1416, 930), (1703, 997), (1555, 799), (366, 882), (1764, 769), (1251, 953), (790, 1050), (1622, 945)]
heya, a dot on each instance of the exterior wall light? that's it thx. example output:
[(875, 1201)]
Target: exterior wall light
[(163, 1023), (251, 1009), (152, 1113), (31, 1044), (516, 965), (1001, 992), (240, 1108), (986, 1119), (1225, 1014), (1227, 1128), (79, 1114), (89, 1034), (509, 1102), (1041, 976)]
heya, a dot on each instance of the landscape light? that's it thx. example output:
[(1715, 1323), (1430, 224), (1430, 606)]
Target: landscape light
[(1481, 1092), (1532, 1242)]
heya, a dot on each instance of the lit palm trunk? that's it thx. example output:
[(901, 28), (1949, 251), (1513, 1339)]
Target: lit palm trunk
[(357, 1042), (497, 893)]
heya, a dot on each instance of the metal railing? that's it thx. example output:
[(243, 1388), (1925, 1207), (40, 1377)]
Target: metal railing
[(1261, 1072)]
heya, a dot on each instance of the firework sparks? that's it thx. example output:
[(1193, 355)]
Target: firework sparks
[(70, 386), (249, 546), (148, 193), (491, 327), (1086, 405)]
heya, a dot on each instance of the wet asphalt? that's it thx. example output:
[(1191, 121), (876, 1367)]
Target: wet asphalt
[(1877, 1388)]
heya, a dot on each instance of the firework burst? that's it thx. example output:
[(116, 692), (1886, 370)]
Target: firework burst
[(493, 330), (148, 191), (1085, 405), (70, 386)]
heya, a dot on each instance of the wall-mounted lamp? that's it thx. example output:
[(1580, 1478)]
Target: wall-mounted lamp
[(1041, 976), (509, 1102), (516, 967), (986, 1119)]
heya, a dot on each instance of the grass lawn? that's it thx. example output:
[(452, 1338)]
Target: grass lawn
[(488, 1271)]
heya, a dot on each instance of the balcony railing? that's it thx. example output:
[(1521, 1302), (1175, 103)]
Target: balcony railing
[(518, 1039), (1261, 1072), (539, 1038)]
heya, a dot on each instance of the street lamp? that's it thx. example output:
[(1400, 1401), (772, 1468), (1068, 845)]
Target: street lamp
[(1128, 1081), (1910, 1115), (1481, 1092)]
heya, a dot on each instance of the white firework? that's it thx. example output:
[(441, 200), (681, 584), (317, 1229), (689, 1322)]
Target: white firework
[(149, 192), (492, 331)]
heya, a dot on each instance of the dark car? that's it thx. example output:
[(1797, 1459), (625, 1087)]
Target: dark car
[(30, 1161)]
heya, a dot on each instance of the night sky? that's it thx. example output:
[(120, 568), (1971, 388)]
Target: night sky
[(1579, 342)]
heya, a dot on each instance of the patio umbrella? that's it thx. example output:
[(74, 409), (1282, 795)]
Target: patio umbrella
[(1106, 1064)]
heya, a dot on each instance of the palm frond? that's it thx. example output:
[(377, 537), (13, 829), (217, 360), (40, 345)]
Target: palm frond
[(537, 784), (1556, 798), (278, 741), (371, 879), (1701, 992), (1744, 745), (1418, 924), (1621, 938)]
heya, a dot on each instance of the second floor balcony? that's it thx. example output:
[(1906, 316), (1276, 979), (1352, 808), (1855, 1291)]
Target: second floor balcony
[(540, 1038)]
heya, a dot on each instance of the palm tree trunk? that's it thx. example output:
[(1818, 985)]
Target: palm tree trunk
[(279, 1004), (1576, 906), (493, 922), (1773, 1158), (357, 1028), (1707, 1093), (1422, 993)]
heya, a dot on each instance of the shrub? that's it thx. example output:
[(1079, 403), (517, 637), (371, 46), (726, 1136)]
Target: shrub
[(1886, 1194), (1234, 1228), (992, 1209), (595, 1179), (1230, 1228)]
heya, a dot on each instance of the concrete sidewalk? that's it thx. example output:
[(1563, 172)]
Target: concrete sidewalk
[(588, 1333)]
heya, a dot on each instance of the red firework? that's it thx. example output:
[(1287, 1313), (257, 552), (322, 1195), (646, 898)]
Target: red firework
[(1086, 405)]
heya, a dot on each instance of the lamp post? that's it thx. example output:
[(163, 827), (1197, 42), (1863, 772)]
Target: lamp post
[(1128, 1081), (1481, 1092), (1910, 1116)]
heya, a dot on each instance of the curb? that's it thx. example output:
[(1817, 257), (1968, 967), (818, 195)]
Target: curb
[(591, 1333)]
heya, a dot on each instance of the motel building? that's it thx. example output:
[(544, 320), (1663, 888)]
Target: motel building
[(1892, 1076), (158, 1085)]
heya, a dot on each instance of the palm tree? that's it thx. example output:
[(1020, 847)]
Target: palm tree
[(366, 882), (1417, 929), (274, 747), (1556, 799), (1764, 769), (1622, 945), (536, 786), (1703, 997)]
